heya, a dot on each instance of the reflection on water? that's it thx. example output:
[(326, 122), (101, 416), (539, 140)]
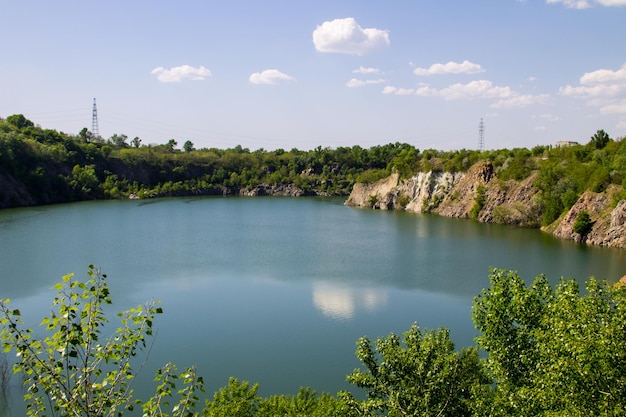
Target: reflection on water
[(341, 302), (276, 290)]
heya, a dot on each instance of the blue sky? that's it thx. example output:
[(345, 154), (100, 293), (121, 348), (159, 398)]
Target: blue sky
[(285, 74)]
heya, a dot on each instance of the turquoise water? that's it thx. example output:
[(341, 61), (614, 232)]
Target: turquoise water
[(275, 290)]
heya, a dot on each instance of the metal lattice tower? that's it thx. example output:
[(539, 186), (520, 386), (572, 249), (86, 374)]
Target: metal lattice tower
[(481, 135), (94, 121)]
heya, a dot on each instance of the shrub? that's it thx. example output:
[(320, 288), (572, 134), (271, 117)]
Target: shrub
[(583, 223)]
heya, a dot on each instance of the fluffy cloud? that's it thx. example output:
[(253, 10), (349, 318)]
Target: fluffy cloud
[(474, 90), (363, 70), (523, 100), (601, 88), (585, 4), (604, 76), (270, 76), (619, 107), (345, 36), (465, 67), (354, 82), (177, 74), (398, 91)]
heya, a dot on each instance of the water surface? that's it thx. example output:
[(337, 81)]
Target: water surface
[(276, 290)]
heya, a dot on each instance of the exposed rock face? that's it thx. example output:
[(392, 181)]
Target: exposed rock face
[(478, 193), (288, 190), (12, 192), (609, 225), (375, 195)]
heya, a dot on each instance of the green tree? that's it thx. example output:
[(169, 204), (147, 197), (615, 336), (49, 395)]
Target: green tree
[(583, 223), (118, 140), (136, 142), (188, 146), (84, 179), (553, 351), (237, 399), (418, 375), (74, 370), (85, 135), (19, 121), (600, 139), (171, 144)]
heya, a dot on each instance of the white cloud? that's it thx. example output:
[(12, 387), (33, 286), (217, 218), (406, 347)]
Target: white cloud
[(465, 67), (603, 76), (601, 88), (345, 36), (398, 91), (616, 108), (572, 4), (177, 74), (363, 70), (354, 82), (472, 90), (270, 76), (521, 101), (585, 4)]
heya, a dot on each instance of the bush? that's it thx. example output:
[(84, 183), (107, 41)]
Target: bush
[(583, 223), (479, 202)]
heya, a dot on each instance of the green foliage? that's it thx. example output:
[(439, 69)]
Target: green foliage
[(583, 223), (479, 202), (420, 375), (74, 370), (304, 403), (164, 170), (44, 160), (565, 173), (553, 351), (188, 146), (239, 399), (600, 139), (372, 175), (84, 180), (19, 121), (403, 200), (517, 166), (235, 400), (167, 388)]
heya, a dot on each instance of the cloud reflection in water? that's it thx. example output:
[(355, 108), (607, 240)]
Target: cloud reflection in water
[(341, 302)]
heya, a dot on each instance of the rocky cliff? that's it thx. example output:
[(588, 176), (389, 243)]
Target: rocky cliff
[(478, 194)]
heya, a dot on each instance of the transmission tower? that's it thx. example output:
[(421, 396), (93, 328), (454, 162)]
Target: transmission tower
[(94, 121), (481, 135)]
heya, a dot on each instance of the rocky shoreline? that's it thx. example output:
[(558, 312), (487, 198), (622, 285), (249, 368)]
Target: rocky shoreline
[(478, 194)]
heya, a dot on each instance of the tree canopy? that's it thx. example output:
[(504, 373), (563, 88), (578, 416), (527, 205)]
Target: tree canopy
[(44, 166)]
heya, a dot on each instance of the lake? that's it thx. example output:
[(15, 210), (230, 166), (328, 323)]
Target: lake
[(274, 290)]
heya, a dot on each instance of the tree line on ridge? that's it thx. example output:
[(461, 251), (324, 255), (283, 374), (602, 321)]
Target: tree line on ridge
[(44, 166)]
